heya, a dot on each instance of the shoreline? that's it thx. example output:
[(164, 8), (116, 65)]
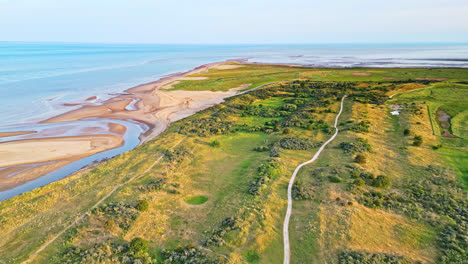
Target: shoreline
[(151, 107)]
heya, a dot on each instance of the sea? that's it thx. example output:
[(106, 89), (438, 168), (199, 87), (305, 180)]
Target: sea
[(36, 79)]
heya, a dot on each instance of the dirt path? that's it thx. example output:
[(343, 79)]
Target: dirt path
[(287, 252), (94, 206)]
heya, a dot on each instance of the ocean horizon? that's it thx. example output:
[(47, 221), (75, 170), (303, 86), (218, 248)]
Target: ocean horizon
[(37, 79)]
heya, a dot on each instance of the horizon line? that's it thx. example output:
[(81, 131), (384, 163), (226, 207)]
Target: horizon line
[(241, 43)]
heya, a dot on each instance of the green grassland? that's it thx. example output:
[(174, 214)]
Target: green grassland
[(212, 188)]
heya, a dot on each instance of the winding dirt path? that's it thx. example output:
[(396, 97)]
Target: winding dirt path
[(287, 252), (94, 206)]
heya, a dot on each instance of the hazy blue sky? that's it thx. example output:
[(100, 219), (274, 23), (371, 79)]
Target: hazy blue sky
[(239, 21)]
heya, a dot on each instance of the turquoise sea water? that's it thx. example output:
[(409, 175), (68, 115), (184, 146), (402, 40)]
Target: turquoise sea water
[(37, 78)]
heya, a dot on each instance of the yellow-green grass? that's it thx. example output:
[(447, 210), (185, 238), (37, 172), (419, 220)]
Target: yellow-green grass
[(196, 200), (460, 124), (258, 74)]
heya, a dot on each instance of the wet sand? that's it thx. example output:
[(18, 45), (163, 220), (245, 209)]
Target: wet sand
[(152, 105)]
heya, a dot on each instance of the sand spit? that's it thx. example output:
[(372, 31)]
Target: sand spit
[(27, 159)]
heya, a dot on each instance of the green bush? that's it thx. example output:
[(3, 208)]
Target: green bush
[(417, 141), (382, 181), (215, 143), (142, 205), (286, 131), (335, 179), (359, 182), (139, 246), (406, 132)]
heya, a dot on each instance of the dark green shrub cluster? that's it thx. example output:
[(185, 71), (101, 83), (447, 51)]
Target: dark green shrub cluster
[(262, 148), (374, 199), (259, 110), (361, 127), (139, 246), (178, 155), (417, 141), (215, 143), (265, 173), (275, 151), (107, 252), (361, 146), (121, 213), (160, 184), (216, 237), (296, 143), (156, 184), (142, 205), (335, 179), (189, 255), (301, 191), (360, 257), (382, 181), (406, 132), (206, 126)]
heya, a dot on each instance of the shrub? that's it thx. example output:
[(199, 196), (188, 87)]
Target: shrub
[(261, 148), (286, 131), (359, 182), (154, 185), (358, 257), (361, 146), (361, 159), (295, 143), (335, 179), (275, 151), (215, 143), (301, 191), (437, 147), (139, 246), (382, 181), (265, 173), (406, 132), (417, 141), (142, 205)]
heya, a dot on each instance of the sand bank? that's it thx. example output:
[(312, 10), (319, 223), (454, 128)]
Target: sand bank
[(51, 149)]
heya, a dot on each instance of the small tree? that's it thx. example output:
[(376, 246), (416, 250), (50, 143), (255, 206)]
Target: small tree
[(142, 205), (361, 159)]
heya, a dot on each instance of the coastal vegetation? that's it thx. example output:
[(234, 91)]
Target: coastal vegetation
[(212, 188)]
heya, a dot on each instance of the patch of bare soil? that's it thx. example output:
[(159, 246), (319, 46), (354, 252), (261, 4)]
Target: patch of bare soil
[(444, 120)]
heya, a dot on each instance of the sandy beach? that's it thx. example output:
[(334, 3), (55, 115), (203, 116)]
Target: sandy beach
[(152, 105)]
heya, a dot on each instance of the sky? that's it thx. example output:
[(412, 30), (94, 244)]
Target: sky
[(234, 21)]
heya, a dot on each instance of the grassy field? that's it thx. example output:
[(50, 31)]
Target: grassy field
[(216, 191)]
